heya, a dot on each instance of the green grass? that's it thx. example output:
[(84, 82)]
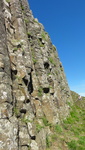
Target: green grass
[(72, 145), (40, 92), (52, 61), (8, 1), (22, 7), (16, 111), (34, 60), (48, 141), (39, 127), (72, 129), (58, 129), (26, 20), (54, 48), (15, 49), (43, 35), (46, 122)]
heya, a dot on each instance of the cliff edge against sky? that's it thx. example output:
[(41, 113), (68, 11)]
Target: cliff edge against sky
[(34, 93)]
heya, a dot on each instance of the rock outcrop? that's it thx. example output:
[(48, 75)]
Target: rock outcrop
[(34, 93)]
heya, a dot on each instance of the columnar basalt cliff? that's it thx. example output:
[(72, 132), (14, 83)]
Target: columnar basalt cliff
[(34, 93)]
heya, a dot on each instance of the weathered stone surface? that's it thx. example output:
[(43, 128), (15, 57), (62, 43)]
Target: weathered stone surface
[(34, 93)]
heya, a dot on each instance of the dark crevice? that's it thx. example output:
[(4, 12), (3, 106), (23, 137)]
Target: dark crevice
[(1, 69), (18, 139), (25, 145), (19, 46), (23, 111), (23, 53), (27, 101), (29, 36), (51, 93), (11, 103), (61, 66), (46, 65), (25, 80), (20, 84), (36, 98), (40, 39), (5, 118), (33, 137), (30, 85), (46, 90), (13, 74)]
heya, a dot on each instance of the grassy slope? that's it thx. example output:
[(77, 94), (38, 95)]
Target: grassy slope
[(70, 135)]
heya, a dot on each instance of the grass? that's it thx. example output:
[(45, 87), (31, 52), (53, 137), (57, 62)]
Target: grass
[(40, 43), (58, 129), (40, 92), (34, 60), (70, 133), (8, 1), (75, 126), (15, 49), (16, 111), (52, 61), (48, 141), (22, 7), (43, 35), (45, 121), (36, 21), (72, 145), (26, 20), (25, 120), (72, 129), (54, 48), (39, 127)]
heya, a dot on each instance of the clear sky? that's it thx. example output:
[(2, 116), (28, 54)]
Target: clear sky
[(64, 20)]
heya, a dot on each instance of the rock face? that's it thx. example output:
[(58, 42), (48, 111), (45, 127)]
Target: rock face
[(34, 93)]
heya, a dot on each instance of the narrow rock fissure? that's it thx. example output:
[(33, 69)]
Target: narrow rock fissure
[(18, 139), (25, 80), (30, 85)]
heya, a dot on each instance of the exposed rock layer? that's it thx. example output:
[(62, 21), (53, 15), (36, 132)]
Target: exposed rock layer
[(34, 93)]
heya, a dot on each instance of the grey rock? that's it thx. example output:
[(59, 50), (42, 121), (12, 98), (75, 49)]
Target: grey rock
[(33, 85)]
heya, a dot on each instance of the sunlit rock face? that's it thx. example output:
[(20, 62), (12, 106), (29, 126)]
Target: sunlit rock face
[(34, 93)]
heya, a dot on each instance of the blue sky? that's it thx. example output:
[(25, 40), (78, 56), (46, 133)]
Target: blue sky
[(64, 20)]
